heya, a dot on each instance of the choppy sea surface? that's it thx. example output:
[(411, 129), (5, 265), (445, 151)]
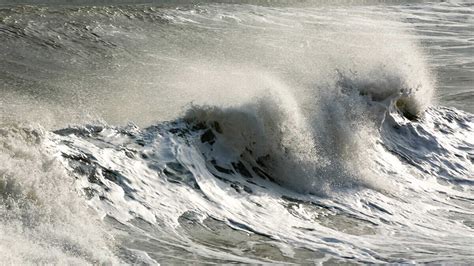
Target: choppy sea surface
[(315, 132)]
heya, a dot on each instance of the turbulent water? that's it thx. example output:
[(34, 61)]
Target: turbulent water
[(296, 132)]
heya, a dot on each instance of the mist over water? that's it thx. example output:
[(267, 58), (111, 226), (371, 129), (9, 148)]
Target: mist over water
[(110, 58), (225, 132)]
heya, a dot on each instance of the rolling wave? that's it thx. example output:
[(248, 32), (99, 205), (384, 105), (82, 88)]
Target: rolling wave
[(247, 167)]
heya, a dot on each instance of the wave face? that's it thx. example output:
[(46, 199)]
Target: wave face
[(230, 133)]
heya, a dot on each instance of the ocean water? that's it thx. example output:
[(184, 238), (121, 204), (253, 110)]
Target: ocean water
[(175, 132)]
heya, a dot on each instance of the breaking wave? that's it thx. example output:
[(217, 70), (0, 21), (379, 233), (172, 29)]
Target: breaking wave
[(335, 151)]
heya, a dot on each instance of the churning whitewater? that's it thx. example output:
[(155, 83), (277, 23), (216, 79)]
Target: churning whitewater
[(303, 132)]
